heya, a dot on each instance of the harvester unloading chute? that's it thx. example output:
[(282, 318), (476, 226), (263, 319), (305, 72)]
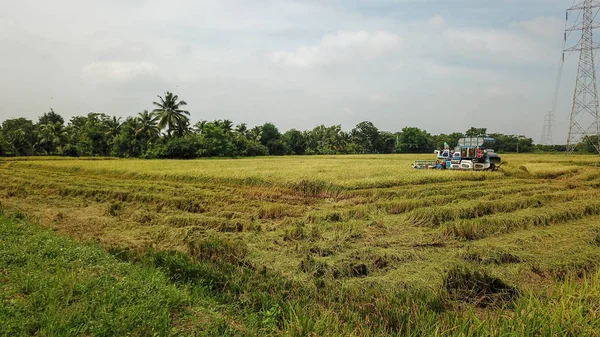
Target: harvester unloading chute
[(476, 142)]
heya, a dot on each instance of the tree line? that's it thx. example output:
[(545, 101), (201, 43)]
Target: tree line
[(166, 132)]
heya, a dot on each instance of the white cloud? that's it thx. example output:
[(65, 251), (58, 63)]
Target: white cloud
[(119, 71), (533, 42), (548, 27), (443, 71), (502, 46), (340, 47), (380, 98), (437, 20)]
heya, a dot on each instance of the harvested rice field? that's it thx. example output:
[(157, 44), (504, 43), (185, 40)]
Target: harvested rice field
[(337, 245)]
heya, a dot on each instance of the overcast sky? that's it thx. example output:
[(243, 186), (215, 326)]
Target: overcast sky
[(441, 65)]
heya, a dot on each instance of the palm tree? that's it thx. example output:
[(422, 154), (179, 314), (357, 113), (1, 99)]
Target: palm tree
[(50, 136), (199, 126), (225, 124), (148, 125), (241, 129), (171, 116), (114, 126), (255, 133)]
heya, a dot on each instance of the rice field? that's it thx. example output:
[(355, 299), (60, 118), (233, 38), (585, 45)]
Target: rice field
[(373, 246)]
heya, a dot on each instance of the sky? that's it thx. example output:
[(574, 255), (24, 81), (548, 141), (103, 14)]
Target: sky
[(440, 65)]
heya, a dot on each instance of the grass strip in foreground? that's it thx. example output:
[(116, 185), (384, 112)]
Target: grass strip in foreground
[(53, 286)]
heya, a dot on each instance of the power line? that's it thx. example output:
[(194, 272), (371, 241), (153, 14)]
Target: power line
[(549, 118)]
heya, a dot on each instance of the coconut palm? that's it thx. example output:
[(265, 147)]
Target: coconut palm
[(171, 116), (147, 125), (226, 125), (50, 136), (113, 126), (199, 127), (241, 129), (255, 133)]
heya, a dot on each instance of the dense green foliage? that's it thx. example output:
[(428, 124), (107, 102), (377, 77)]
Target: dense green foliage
[(166, 133)]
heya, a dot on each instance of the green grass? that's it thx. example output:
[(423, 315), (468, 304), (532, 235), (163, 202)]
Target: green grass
[(53, 286)]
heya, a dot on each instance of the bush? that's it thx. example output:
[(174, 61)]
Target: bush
[(250, 148), (176, 148), (70, 151)]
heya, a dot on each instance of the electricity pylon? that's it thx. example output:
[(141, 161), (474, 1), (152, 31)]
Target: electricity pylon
[(548, 128), (585, 119)]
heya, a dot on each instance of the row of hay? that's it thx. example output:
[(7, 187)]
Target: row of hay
[(435, 216), (505, 223)]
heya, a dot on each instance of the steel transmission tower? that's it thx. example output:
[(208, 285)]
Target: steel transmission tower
[(547, 137), (585, 119)]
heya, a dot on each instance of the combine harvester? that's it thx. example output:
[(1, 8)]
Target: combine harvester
[(471, 154)]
